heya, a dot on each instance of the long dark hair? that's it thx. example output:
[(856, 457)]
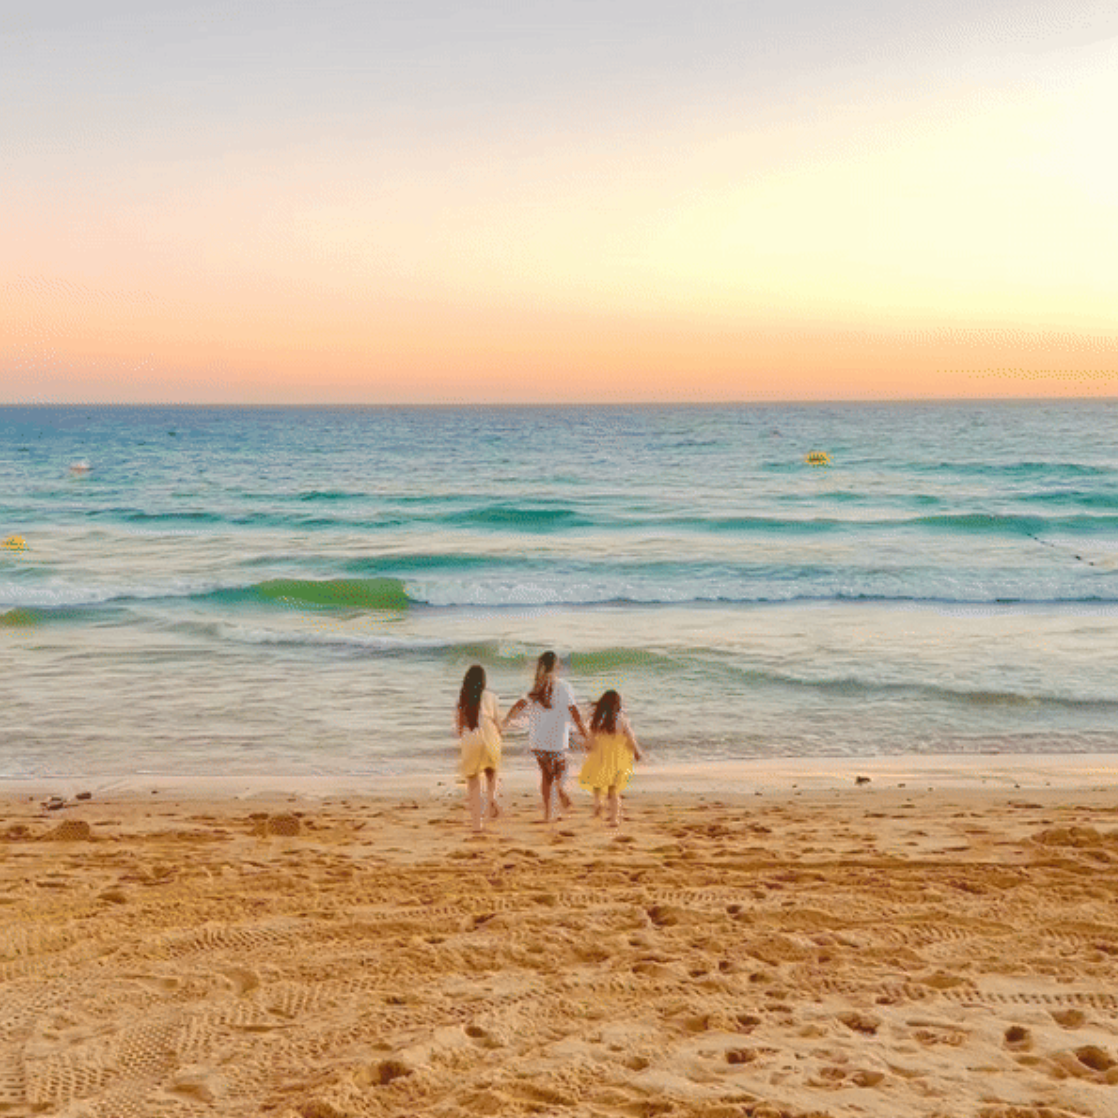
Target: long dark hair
[(606, 710), (469, 698), (545, 677)]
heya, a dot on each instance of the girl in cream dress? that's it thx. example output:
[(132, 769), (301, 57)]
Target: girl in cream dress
[(477, 722), (552, 710), (613, 749)]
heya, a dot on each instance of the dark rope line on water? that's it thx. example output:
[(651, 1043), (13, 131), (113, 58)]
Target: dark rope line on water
[(1057, 547)]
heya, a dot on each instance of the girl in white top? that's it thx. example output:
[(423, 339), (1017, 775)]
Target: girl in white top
[(477, 722), (551, 710)]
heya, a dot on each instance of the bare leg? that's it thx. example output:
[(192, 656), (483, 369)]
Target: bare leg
[(473, 799), (614, 806), (545, 793), (564, 799), (491, 786), (597, 802)]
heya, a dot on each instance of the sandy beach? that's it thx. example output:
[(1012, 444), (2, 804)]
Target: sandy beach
[(936, 940)]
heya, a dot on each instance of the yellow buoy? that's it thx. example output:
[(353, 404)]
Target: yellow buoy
[(817, 458), (15, 543)]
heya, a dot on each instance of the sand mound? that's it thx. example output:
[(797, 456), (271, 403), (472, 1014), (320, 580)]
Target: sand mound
[(283, 823), (71, 830)]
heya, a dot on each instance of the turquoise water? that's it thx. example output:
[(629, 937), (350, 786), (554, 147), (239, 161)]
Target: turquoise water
[(300, 590)]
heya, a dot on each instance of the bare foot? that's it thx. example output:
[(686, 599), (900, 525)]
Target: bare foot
[(565, 800), (494, 811)]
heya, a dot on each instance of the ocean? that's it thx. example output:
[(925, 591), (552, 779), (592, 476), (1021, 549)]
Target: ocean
[(300, 590)]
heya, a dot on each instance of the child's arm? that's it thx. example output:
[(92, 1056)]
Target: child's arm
[(576, 718), (494, 710), (627, 730)]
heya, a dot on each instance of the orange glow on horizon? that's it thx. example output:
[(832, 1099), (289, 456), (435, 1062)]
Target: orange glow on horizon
[(949, 245), (288, 352)]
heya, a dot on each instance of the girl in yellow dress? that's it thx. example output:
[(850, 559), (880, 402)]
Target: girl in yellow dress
[(613, 749), (477, 722)]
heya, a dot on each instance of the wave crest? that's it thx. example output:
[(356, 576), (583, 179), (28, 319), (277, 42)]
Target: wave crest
[(344, 593)]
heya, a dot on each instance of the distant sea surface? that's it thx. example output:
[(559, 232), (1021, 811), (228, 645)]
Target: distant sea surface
[(299, 590)]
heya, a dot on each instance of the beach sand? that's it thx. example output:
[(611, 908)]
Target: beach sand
[(939, 940)]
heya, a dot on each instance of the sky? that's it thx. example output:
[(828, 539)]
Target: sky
[(433, 202)]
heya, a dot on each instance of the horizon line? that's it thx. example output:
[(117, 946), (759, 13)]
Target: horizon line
[(510, 404)]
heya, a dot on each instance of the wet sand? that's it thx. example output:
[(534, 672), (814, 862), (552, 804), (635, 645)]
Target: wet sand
[(937, 941)]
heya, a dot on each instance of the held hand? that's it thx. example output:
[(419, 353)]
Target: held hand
[(514, 710)]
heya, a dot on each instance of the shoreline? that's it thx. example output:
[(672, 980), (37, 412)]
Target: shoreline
[(996, 771)]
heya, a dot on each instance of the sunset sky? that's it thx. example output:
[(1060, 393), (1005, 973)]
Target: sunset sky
[(425, 201)]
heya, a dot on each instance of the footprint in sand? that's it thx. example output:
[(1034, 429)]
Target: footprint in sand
[(1089, 1062), (385, 1072), (482, 1037), (865, 1023), (241, 979)]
